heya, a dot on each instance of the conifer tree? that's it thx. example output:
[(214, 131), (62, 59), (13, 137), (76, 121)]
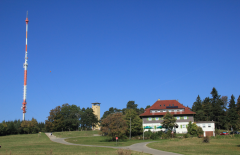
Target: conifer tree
[(197, 107), (232, 113), (207, 109), (238, 112), (238, 106), (218, 109)]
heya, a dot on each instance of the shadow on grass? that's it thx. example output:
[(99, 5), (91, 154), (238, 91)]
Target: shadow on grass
[(238, 145)]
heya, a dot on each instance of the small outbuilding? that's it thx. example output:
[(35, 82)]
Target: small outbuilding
[(208, 127)]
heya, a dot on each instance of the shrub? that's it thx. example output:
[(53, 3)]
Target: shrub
[(217, 132), (124, 152), (186, 135), (168, 135), (147, 134), (192, 128), (159, 133), (164, 136), (199, 132), (206, 139), (154, 136)]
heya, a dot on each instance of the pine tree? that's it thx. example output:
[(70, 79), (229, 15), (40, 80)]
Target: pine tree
[(232, 113), (218, 109), (238, 112), (207, 109), (197, 107), (238, 106)]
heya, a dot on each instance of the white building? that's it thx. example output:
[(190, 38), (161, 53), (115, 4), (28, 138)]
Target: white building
[(153, 117)]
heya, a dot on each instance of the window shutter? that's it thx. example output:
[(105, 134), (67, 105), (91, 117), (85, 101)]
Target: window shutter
[(187, 117), (148, 119), (181, 126), (186, 126)]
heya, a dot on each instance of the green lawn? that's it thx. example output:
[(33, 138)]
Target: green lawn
[(75, 133), (102, 141), (35, 144), (193, 146)]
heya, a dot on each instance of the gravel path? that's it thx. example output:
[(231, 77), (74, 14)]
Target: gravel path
[(140, 147)]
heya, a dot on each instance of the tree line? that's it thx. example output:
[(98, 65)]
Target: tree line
[(226, 114), (21, 127), (69, 118)]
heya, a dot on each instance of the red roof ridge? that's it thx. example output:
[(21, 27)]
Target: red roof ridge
[(159, 104)]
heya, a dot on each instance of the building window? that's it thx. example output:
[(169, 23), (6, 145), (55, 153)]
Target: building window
[(149, 118), (172, 104), (203, 125), (164, 105), (160, 105), (164, 110), (169, 105), (209, 125), (185, 117), (183, 126), (158, 110), (156, 118), (178, 118), (175, 110), (169, 110), (180, 110)]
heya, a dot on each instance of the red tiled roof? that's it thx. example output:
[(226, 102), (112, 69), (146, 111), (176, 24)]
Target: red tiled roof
[(162, 104)]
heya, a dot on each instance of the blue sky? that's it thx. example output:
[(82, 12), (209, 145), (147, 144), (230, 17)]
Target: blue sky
[(115, 51)]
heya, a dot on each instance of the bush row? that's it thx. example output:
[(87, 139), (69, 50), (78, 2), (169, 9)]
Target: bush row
[(21, 127)]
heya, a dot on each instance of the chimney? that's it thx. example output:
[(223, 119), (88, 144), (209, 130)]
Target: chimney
[(159, 99)]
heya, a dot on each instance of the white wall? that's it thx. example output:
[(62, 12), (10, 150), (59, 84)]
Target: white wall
[(207, 127), (178, 130), (204, 126)]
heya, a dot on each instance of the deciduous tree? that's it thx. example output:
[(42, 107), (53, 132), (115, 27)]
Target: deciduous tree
[(136, 122), (114, 125), (110, 111), (169, 122)]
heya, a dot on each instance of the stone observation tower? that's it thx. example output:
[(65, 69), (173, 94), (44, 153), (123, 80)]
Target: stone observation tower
[(96, 111)]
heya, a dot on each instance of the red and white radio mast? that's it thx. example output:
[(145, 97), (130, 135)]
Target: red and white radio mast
[(25, 65)]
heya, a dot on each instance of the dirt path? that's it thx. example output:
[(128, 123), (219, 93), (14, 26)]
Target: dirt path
[(140, 147)]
